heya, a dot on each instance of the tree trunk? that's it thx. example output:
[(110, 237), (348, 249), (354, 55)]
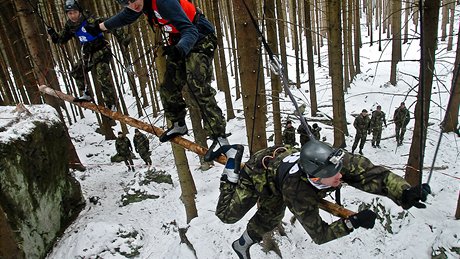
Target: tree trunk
[(396, 46), (450, 122), (335, 70), (422, 108), (222, 67), (187, 184), (311, 65), (274, 79), (254, 102)]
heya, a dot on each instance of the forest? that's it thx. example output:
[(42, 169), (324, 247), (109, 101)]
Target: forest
[(305, 37)]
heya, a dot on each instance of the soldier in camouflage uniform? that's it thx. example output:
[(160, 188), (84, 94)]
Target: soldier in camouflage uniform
[(361, 125), (315, 130), (124, 149), (280, 177), (95, 50), (401, 117), (289, 134), (377, 121), (141, 145), (190, 53)]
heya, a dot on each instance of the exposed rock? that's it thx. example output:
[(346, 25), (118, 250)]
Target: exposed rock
[(38, 196)]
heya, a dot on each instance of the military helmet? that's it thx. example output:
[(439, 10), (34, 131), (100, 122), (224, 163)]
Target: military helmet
[(318, 159), (71, 5)]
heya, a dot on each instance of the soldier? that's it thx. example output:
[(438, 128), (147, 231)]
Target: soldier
[(361, 125), (316, 131), (124, 149), (96, 52), (190, 51), (303, 134), (289, 134), (401, 118), (141, 145), (277, 177), (377, 121)]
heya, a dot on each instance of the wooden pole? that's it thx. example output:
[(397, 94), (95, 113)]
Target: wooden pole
[(330, 207)]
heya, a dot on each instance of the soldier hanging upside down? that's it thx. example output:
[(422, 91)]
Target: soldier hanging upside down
[(280, 177)]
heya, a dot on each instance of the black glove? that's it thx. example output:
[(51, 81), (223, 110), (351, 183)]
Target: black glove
[(413, 196), (173, 53), (365, 219), (51, 31), (93, 29)]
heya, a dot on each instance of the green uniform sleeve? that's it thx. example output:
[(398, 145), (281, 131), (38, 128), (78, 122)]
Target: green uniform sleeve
[(359, 172)]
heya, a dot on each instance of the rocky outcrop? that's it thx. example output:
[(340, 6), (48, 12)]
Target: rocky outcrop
[(38, 196)]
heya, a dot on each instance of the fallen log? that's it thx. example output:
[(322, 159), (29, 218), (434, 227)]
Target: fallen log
[(330, 207)]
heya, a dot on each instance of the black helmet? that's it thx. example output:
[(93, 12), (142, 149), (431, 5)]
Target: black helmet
[(71, 5), (317, 159)]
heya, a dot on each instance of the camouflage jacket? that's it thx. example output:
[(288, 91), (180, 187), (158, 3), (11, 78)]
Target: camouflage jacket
[(361, 124), (378, 119), (289, 136), (141, 143), (123, 146), (283, 177), (401, 116)]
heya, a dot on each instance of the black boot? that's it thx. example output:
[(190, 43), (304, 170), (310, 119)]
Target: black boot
[(179, 128), (361, 152), (86, 97)]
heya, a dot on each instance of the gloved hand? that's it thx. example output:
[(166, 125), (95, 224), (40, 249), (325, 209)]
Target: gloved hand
[(93, 29), (172, 52), (413, 196), (51, 31), (365, 219)]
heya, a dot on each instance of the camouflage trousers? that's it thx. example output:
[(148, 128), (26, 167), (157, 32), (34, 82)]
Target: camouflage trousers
[(98, 64), (196, 72), (376, 135), (145, 155), (400, 131), (360, 139)]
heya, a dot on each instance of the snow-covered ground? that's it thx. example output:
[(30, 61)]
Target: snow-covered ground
[(150, 228)]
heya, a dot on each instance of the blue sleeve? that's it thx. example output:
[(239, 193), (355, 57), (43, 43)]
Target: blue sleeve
[(172, 11), (123, 18)]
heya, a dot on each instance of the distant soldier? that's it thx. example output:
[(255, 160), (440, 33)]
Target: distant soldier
[(361, 125), (401, 118), (141, 145), (289, 134), (377, 121), (304, 135), (316, 131), (124, 149)]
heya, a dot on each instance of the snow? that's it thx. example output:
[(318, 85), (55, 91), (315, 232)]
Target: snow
[(15, 124), (150, 228)]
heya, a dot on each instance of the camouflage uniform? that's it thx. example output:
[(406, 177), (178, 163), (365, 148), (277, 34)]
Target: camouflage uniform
[(96, 56), (361, 125), (124, 149), (283, 184), (377, 121), (196, 72), (141, 144), (304, 135), (289, 136), (401, 118)]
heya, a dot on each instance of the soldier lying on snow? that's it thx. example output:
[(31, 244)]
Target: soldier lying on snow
[(277, 177)]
